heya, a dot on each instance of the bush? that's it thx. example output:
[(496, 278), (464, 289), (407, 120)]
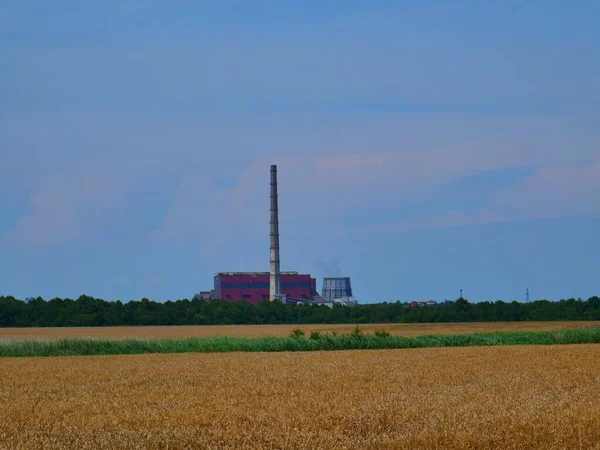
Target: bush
[(356, 332), (315, 335), (297, 333), (381, 332)]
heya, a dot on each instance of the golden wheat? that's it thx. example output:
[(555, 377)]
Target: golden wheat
[(497, 397), (174, 332)]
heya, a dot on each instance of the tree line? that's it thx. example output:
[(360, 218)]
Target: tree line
[(89, 311)]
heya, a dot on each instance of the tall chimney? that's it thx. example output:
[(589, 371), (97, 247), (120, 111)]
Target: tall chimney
[(275, 281)]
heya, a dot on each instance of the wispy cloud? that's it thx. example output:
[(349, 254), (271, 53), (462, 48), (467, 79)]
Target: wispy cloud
[(60, 210), (550, 192)]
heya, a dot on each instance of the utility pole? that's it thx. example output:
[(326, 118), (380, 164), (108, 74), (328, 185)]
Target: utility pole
[(527, 295), (461, 293)]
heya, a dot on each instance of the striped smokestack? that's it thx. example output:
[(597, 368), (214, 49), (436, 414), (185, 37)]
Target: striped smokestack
[(275, 281)]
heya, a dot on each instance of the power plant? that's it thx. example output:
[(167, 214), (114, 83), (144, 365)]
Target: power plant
[(255, 287), (290, 287)]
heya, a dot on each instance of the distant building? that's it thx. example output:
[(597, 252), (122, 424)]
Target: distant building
[(336, 288), (345, 301), (253, 287), (205, 295), (422, 303)]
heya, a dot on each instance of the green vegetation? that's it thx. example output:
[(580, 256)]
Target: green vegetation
[(88, 311), (381, 332), (315, 335), (353, 341), (297, 333)]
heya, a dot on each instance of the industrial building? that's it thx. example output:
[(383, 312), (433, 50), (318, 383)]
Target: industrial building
[(422, 303), (336, 288), (289, 287), (205, 295), (254, 287)]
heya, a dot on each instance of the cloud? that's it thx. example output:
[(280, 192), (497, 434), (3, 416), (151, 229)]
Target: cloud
[(319, 192), (309, 187), (550, 192), (554, 191), (208, 217), (60, 210)]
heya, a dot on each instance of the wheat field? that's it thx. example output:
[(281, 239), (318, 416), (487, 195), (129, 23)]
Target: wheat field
[(255, 331), (492, 397)]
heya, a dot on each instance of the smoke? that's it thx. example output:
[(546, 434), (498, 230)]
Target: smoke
[(329, 268)]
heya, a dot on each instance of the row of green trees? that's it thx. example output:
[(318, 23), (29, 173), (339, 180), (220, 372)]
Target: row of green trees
[(89, 311)]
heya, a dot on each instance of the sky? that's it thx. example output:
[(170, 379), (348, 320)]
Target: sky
[(423, 146)]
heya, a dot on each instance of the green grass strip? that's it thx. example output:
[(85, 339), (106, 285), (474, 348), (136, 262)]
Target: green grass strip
[(79, 347)]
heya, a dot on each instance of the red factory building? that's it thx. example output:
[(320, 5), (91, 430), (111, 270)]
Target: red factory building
[(253, 287)]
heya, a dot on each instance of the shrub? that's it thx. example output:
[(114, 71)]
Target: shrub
[(381, 332), (297, 333), (315, 335), (356, 332)]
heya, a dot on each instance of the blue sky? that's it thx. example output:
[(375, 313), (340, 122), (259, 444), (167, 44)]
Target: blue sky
[(423, 147)]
